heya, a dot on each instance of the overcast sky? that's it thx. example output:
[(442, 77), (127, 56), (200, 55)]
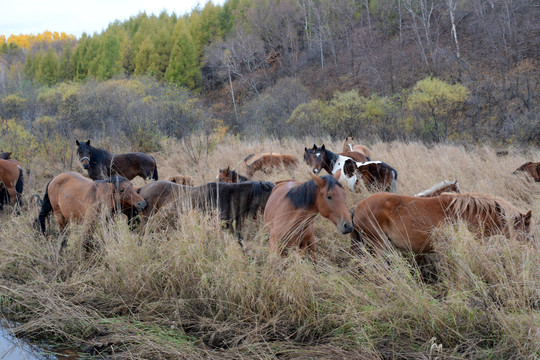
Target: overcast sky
[(75, 17)]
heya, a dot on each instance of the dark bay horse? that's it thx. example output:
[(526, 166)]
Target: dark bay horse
[(102, 164), (531, 168), (407, 222), (231, 176), (438, 189), (376, 175), (73, 197), (348, 146), (319, 158), (11, 183), (292, 207), (234, 202), (267, 161)]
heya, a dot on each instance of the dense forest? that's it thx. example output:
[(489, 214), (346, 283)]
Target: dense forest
[(430, 70)]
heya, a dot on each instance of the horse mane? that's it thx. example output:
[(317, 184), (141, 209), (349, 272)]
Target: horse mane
[(330, 157), (303, 195), (98, 155), (116, 180), (248, 157), (241, 178), (470, 205), (435, 188)]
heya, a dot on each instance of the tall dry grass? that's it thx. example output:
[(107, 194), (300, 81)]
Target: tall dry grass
[(183, 288)]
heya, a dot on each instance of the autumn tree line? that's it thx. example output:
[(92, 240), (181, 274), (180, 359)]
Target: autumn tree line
[(430, 70)]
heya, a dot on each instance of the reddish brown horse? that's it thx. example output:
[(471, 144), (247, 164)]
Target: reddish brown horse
[(102, 164), (407, 222), (11, 183), (531, 168), (268, 161), (292, 207), (438, 189), (73, 197), (231, 176), (348, 146), (181, 180), (6, 155)]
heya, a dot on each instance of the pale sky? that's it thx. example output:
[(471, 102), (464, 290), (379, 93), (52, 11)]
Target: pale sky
[(75, 16)]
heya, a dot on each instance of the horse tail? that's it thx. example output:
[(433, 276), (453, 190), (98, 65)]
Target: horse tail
[(248, 157), (19, 186), (46, 209), (155, 175)]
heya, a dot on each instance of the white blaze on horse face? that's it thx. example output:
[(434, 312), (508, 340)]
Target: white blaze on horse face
[(318, 154)]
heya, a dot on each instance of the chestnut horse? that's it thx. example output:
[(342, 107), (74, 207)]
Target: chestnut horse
[(438, 189), (11, 183), (6, 155), (292, 207), (348, 146), (235, 202), (181, 180), (375, 174), (531, 168), (73, 197), (320, 158), (230, 176), (102, 164), (268, 161), (407, 222)]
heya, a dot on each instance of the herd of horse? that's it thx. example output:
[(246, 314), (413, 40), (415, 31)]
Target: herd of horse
[(290, 207)]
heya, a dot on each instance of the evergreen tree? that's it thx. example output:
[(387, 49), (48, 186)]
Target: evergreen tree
[(110, 62), (184, 66)]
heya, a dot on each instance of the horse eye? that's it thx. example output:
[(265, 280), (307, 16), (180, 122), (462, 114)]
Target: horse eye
[(329, 197)]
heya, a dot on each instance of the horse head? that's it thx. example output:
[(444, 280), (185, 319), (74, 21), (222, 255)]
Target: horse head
[(126, 193), (84, 151), (522, 226), (315, 158), (330, 202), (225, 175)]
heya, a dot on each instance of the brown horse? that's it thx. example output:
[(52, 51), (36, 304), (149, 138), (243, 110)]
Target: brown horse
[(319, 158), (11, 183), (235, 202), (438, 189), (267, 161), (348, 146), (6, 155), (102, 164), (376, 175), (407, 222), (231, 176), (531, 168), (181, 180), (292, 207), (73, 197)]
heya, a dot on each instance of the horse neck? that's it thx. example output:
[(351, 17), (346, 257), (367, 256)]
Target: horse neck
[(105, 193), (101, 155), (330, 159)]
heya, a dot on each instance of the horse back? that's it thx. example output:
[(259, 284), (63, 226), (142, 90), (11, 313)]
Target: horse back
[(130, 165), (355, 155)]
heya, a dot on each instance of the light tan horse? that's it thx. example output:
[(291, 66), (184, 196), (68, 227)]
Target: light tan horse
[(407, 222), (268, 161), (73, 197), (292, 207), (348, 146)]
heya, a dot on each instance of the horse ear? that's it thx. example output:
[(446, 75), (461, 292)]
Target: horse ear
[(527, 218), (314, 147), (323, 148), (88, 143), (77, 142), (318, 181)]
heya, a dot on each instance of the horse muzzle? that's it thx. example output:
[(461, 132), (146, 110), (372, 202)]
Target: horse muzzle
[(346, 228), (316, 171), (141, 204)]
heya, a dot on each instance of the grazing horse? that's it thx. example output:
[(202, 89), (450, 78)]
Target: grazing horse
[(234, 202), (11, 183), (349, 147), (230, 176), (292, 207), (531, 168), (181, 180), (6, 155), (73, 197), (321, 158), (407, 222), (438, 189), (375, 174), (267, 161), (102, 164)]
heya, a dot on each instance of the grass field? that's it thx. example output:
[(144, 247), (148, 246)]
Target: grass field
[(183, 288)]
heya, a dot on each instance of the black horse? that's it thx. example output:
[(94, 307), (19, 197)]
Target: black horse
[(235, 202), (102, 164)]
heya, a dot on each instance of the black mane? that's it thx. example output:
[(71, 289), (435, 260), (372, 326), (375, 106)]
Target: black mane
[(303, 195), (116, 180)]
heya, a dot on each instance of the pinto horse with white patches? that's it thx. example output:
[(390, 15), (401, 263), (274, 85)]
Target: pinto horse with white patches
[(377, 175), (319, 158)]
